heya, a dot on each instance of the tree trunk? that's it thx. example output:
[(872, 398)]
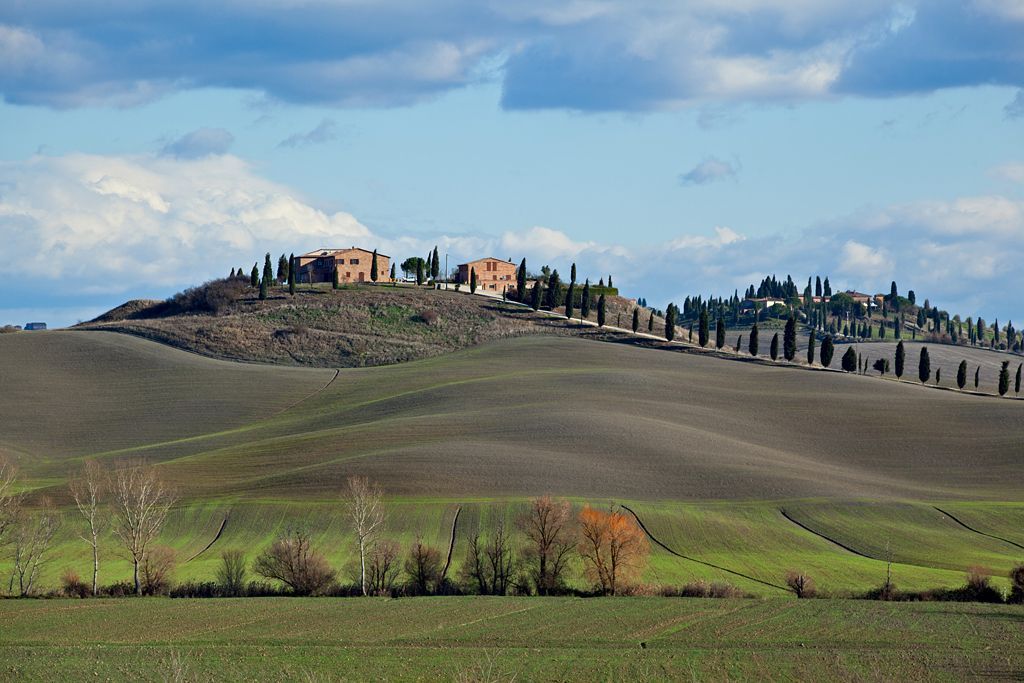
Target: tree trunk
[(135, 576), (95, 566), (362, 566)]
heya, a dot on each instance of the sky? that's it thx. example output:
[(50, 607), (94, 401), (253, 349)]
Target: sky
[(148, 146)]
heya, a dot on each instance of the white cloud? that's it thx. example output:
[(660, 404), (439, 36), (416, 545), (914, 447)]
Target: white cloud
[(325, 131), (865, 262), (708, 171), (723, 236), (1013, 172)]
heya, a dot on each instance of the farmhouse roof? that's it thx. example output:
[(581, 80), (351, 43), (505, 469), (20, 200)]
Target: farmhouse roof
[(331, 252)]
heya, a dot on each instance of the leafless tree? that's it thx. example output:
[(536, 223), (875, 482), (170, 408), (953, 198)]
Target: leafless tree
[(231, 573), (366, 514), (548, 527), (32, 534), (292, 560), (423, 566), (801, 584), (89, 492), (489, 562), (141, 503), (383, 567), (157, 569), (10, 500)]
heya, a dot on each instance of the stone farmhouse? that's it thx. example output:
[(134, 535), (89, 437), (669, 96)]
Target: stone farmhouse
[(353, 265), (492, 274)]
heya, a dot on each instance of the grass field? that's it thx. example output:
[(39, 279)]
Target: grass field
[(745, 470), (507, 638)]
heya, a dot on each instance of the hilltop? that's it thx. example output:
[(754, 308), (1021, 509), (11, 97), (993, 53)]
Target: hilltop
[(354, 326)]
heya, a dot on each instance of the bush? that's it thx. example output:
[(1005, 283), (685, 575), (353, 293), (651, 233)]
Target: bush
[(72, 586), (1016, 585), (292, 560), (231, 572), (801, 584), (703, 589), (118, 589), (157, 569), (214, 297)]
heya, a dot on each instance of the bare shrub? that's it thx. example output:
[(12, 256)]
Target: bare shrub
[(979, 588), (72, 586), (158, 570), (801, 584), (141, 503), (292, 560), (704, 589), (214, 297), (423, 567), (429, 316), (231, 572), (383, 567), (1016, 585), (548, 528)]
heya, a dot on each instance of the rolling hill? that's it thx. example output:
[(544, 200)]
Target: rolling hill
[(742, 470)]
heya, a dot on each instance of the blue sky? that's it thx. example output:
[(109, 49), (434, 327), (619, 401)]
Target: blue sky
[(149, 146)]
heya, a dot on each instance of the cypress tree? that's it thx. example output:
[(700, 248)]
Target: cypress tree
[(901, 357), (702, 328), (569, 303), (1016, 382), (268, 270), (811, 339), (849, 361), (232, 275), (719, 333), (585, 300), (263, 289), (1004, 378), (650, 324), (961, 375), (435, 265), (472, 280), (254, 277), (690, 339), (789, 339), (739, 343), (610, 285), (600, 311), (572, 273), (420, 274), (535, 295), (292, 275), (636, 320), (670, 321), (977, 376), (282, 269), (374, 274), (938, 375), (827, 348), (521, 287), (334, 278), (752, 346), (924, 366), (554, 289), (394, 279), (774, 348)]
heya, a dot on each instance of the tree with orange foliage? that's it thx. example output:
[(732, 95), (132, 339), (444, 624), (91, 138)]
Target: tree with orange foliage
[(613, 547)]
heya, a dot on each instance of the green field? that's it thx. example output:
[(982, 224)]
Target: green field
[(477, 639), (709, 453)]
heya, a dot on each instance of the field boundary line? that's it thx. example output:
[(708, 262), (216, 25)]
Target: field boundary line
[(209, 545), (981, 533), (693, 559), (451, 543), (833, 541)]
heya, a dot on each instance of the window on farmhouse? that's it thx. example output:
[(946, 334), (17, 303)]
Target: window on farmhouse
[(354, 261)]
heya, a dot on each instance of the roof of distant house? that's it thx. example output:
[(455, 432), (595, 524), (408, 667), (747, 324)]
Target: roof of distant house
[(332, 252)]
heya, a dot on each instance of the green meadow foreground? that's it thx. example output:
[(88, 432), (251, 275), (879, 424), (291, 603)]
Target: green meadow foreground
[(742, 471), (507, 638)]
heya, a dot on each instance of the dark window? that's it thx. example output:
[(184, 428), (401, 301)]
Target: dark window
[(354, 262)]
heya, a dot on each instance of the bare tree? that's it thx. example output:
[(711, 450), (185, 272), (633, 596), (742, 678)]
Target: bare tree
[(613, 547), (89, 492), (141, 502), (489, 563), (801, 584), (423, 566), (10, 501), (231, 573), (292, 560), (366, 514), (31, 537), (383, 567), (548, 526)]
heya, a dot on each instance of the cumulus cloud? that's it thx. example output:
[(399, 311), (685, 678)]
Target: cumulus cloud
[(708, 171), (200, 143), (1013, 172), (624, 55), (325, 131)]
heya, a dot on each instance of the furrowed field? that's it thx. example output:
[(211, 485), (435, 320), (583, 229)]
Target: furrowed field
[(507, 638)]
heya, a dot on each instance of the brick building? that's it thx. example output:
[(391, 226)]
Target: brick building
[(353, 265), (492, 274)]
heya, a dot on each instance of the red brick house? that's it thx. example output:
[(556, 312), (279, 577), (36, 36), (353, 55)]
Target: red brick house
[(492, 274), (353, 264)]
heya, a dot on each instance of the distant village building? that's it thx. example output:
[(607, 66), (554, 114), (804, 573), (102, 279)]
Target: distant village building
[(353, 265), (861, 298), (492, 274), (35, 326), (761, 304)]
